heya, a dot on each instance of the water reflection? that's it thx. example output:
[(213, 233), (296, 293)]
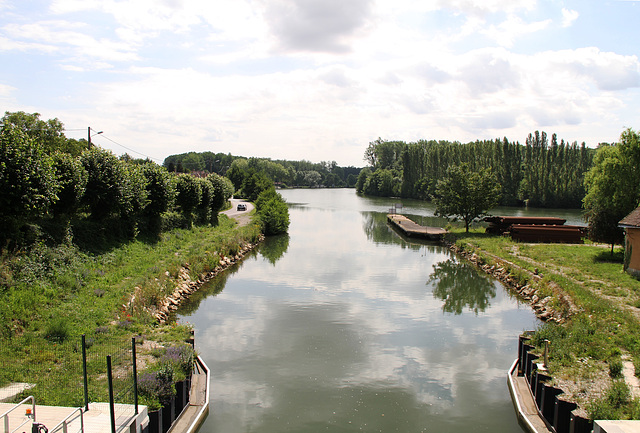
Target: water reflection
[(460, 286), (274, 248), (377, 229), (335, 330)]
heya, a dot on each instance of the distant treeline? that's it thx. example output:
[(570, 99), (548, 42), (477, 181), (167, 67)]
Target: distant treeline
[(539, 173), (284, 173)]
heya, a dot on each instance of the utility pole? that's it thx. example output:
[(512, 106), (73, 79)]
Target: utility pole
[(89, 135)]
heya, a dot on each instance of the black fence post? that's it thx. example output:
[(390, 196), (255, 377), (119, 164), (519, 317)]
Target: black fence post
[(84, 372), (135, 374), (112, 408)]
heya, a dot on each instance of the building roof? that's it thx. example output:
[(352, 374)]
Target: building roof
[(631, 220)]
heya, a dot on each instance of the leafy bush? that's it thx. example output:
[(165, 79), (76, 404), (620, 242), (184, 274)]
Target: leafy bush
[(27, 181), (207, 197), (107, 178), (160, 189), (72, 179), (189, 193), (223, 190), (273, 212), (254, 184)]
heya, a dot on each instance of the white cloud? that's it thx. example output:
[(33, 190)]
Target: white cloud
[(483, 7), (609, 71), (513, 27), (569, 16), (253, 74), (66, 38), (317, 25)]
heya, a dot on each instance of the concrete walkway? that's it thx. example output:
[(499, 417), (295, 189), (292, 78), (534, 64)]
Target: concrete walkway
[(96, 420)]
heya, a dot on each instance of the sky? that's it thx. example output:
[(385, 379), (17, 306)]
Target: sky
[(320, 79)]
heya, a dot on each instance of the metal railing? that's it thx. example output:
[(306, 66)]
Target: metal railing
[(65, 422), (30, 417)]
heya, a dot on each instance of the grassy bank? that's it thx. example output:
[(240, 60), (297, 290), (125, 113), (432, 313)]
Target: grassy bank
[(52, 295), (589, 350)]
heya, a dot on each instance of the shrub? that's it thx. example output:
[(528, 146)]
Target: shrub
[(160, 189), (188, 196), (57, 330), (205, 207), (72, 179), (273, 212), (615, 368), (222, 191), (107, 178), (27, 182)]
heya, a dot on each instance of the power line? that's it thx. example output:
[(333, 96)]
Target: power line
[(121, 145), (130, 150)]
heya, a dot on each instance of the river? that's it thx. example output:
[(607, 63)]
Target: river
[(344, 326)]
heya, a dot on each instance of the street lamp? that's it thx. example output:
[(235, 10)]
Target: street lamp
[(89, 135)]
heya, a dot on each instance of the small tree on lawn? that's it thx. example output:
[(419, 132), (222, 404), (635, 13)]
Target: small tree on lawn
[(466, 194)]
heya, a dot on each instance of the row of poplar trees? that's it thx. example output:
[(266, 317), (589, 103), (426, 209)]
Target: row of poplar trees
[(541, 173)]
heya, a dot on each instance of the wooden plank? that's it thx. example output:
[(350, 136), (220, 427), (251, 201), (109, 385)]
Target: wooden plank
[(411, 228)]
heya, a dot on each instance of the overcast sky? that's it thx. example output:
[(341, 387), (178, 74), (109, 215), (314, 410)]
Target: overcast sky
[(320, 79)]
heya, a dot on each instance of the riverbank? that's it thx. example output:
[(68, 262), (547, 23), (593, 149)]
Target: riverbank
[(52, 295), (186, 285), (589, 307)]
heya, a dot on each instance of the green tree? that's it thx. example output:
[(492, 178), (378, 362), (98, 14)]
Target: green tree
[(134, 198), (273, 212), (466, 194), (362, 179), (223, 190), (254, 184), (27, 181), (72, 181), (193, 162), (613, 188), (48, 134), (237, 172), (106, 183), (160, 189), (188, 195)]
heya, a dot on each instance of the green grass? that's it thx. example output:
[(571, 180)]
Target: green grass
[(51, 295), (607, 321)]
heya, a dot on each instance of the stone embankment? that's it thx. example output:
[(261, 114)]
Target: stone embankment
[(186, 286), (556, 308)]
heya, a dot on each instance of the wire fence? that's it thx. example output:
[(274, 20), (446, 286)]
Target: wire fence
[(74, 374)]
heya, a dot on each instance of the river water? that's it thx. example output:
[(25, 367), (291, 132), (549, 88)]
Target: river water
[(344, 326)]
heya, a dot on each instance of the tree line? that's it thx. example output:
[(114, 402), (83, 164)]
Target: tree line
[(613, 187), (55, 188), (540, 173), (326, 174)]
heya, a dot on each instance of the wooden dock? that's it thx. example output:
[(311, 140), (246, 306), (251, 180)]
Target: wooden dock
[(412, 229)]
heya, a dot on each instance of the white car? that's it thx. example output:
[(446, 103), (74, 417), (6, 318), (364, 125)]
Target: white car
[(242, 206)]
